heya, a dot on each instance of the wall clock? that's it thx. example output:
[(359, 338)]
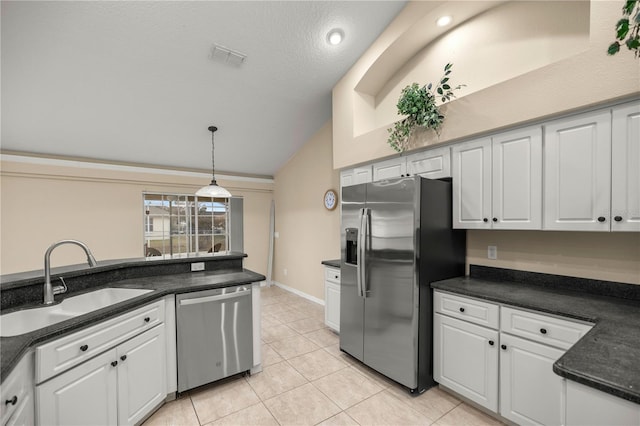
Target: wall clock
[(330, 199)]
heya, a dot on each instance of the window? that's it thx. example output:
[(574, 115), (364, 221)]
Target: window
[(177, 224)]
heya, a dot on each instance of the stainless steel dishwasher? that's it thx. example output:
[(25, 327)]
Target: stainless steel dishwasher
[(215, 335)]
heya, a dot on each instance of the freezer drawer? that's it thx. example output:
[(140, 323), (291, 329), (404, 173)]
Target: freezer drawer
[(215, 335)]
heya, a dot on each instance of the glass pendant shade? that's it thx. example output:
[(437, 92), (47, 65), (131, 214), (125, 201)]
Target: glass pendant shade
[(213, 190)]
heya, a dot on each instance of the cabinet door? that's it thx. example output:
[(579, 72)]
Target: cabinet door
[(141, 375), (465, 359), (84, 395), (332, 305), (530, 392), (471, 170), (390, 169), (625, 171), (577, 173), (23, 414), (589, 407), (431, 164), (355, 176), (517, 179)]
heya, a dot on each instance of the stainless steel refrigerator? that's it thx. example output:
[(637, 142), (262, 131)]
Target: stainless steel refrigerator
[(396, 239)]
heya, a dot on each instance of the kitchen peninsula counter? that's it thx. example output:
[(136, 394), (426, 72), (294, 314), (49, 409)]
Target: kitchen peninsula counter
[(162, 276), (607, 358)]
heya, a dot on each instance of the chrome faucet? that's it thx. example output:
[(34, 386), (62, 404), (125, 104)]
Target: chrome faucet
[(49, 290)]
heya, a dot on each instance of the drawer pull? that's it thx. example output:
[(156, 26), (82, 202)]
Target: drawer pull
[(543, 330), (495, 219), (491, 342), (461, 309), (147, 319), (504, 347), (114, 363), (123, 357), (84, 348), (601, 219), (12, 401), (618, 218)]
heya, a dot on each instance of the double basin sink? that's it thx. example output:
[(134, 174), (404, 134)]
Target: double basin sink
[(28, 320)]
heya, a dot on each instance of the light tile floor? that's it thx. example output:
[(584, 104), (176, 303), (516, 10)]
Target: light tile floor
[(306, 380)]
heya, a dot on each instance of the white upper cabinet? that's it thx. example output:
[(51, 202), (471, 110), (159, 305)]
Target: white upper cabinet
[(497, 181), (355, 176), (625, 173), (430, 164), (517, 179), (390, 169), (577, 175), (471, 170)]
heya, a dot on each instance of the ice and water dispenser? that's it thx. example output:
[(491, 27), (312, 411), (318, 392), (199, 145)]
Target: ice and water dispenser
[(352, 246)]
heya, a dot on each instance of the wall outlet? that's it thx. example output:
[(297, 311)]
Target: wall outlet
[(285, 272), (197, 266), (276, 234), (492, 252)]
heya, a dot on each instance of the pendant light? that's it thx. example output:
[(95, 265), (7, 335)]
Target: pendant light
[(213, 190)]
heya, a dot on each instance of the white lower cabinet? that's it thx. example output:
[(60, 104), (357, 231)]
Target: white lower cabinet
[(508, 368), (590, 407), (17, 393), (530, 392), (465, 359), (332, 298), (119, 386)]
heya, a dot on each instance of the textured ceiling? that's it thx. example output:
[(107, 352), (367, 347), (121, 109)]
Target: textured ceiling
[(135, 82)]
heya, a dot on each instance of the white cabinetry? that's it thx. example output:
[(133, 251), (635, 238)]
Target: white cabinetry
[(332, 297), (431, 164), (589, 407), (510, 370), (17, 394), (530, 392), (497, 181), (465, 359), (577, 174), (110, 373), (355, 176), (625, 172)]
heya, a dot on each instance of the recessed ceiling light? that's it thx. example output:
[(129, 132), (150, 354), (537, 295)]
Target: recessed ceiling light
[(335, 36), (444, 21)]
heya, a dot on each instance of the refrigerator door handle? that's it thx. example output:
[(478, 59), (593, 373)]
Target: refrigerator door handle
[(364, 229), (360, 258)]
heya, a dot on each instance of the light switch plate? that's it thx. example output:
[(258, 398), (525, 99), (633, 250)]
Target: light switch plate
[(492, 252), (197, 266)]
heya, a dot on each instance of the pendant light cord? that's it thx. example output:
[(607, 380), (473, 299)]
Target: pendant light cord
[(213, 129)]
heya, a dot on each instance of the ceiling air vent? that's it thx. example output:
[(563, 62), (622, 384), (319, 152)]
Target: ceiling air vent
[(227, 56)]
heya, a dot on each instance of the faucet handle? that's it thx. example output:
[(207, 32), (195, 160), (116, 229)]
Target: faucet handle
[(59, 289)]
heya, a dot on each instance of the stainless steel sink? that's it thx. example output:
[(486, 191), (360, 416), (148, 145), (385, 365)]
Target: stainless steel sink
[(25, 321)]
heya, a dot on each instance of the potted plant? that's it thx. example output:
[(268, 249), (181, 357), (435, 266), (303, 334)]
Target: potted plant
[(421, 110)]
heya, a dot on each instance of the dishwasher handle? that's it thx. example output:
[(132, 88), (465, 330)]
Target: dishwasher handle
[(207, 299)]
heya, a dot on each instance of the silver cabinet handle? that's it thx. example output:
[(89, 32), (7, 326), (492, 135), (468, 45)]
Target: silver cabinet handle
[(207, 299)]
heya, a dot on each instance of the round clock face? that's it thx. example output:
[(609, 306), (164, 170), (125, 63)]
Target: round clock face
[(330, 199)]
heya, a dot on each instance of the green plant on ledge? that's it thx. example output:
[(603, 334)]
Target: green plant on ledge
[(419, 105), (628, 26)]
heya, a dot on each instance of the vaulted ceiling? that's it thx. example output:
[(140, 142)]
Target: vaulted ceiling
[(137, 82)]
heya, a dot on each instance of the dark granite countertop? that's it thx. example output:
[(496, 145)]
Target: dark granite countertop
[(606, 358), (335, 263), (12, 348)]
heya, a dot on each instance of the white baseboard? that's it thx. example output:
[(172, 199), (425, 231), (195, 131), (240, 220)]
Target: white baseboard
[(298, 293)]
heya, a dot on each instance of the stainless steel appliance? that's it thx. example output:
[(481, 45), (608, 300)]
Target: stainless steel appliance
[(215, 335), (397, 238)]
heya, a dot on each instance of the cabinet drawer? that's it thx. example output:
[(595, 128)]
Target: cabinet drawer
[(59, 355), (332, 274), (468, 309), (17, 387), (550, 330)]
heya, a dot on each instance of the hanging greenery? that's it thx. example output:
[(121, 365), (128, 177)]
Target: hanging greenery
[(629, 27), (419, 105)]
